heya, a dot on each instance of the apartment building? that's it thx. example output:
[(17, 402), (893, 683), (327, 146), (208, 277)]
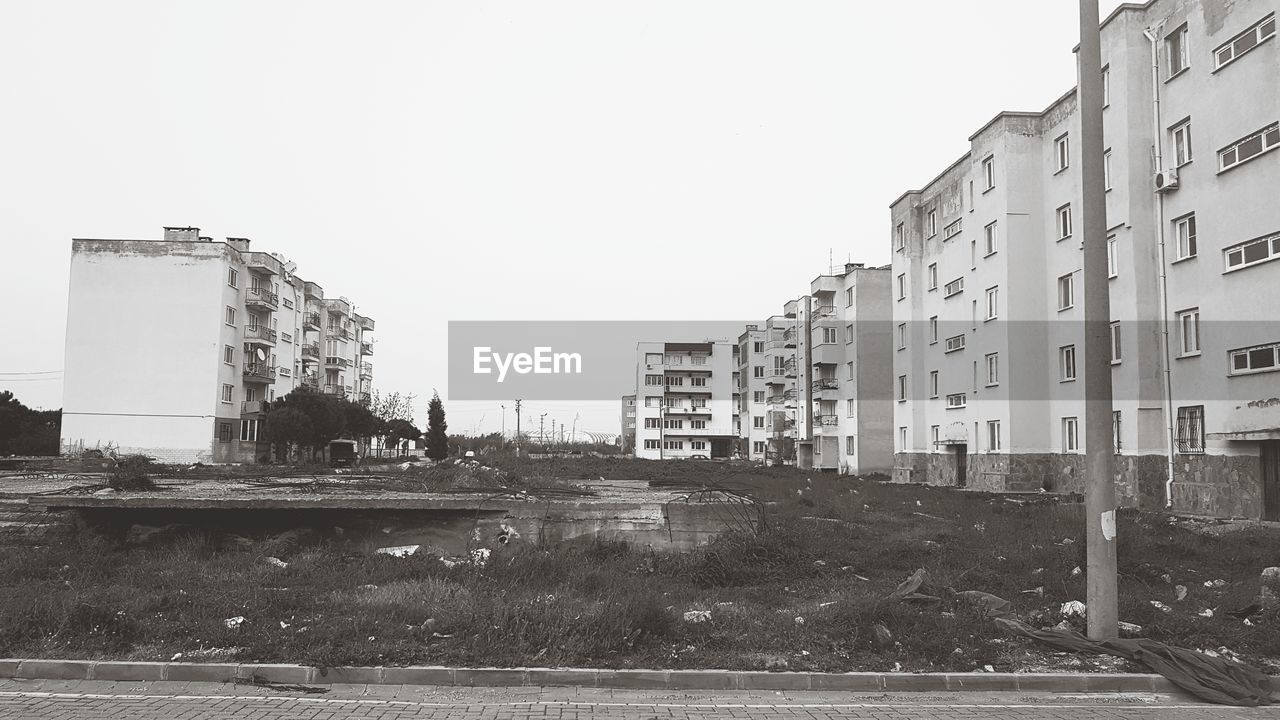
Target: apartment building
[(229, 329), (814, 388), (987, 307), (685, 400), (628, 421)]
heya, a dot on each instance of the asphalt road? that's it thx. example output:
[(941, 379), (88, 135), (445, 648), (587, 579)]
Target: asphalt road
[(86, 700)]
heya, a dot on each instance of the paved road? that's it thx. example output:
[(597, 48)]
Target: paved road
[(86, 700)]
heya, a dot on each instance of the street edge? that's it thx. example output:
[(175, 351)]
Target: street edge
[(580, 677)]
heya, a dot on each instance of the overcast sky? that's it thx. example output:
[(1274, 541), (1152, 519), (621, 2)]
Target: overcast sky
[(544, 159)]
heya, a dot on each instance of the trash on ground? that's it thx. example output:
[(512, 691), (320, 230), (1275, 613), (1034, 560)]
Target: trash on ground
[(234, 622), (1180, 592), (277, 562), (1161, 606), (697, 616), (1073, 607), (398, 550)]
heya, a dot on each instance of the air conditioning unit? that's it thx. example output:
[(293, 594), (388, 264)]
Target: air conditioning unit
[(1166, 181)]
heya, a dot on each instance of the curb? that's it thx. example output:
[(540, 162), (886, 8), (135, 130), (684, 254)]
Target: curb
[(580, 677)]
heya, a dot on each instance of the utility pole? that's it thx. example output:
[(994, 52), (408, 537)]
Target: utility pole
[(503, 434), (1100, 496), (542, 436), (517, 428), (573, 433)]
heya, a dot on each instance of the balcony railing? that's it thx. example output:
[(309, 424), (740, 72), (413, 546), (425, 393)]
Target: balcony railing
[(826, 420), (366, 348), (311, 321), (259, 371), (777, 399), (261, 296), (311, 380), (790, 395), (337, 362), (311, 350), (789, 337), (261, 333), (826, 384), (335, 390), (366, 370), (249, 407), (824, 311), (346, 334)]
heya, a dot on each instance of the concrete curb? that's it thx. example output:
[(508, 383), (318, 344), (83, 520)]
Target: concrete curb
[(581, 677)]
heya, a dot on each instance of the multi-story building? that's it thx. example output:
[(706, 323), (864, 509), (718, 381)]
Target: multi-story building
[(685, 406), (628, 419), (821, 369), (229, 329), (988, 313)]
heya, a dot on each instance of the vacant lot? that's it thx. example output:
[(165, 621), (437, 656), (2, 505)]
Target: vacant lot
[(805, 594)]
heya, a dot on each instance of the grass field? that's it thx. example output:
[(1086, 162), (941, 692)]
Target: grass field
[(804, 595)]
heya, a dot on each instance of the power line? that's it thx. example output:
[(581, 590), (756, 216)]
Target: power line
[(35, 372)]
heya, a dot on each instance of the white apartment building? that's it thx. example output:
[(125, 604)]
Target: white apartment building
[(685, 400), (988, 359), (228, 330), (822, 370)]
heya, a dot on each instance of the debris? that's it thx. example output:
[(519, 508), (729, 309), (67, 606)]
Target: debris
[(1161, 606), (234, 622), (1180, 592), (927, 515), (277, 562), (1073, 607), (1067, 541), (883, 638), (1038, 571), (284, 625), (986, 603), (1246, 612), (799, 620), (480, 556), (1205, 613), (988, 668), (1269, 596), (697, 616), (1075, 571), (1215, 583), (820, 563), (980, 527), (1127, 628), (176, 657), (507, 534), (1167, 578), (1038, 591), (826, 604), (398, 550)]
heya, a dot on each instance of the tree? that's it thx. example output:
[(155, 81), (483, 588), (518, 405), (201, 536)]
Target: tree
[(437, 435), (396, 430), (287, 426), (325, 416), (394, 417), (24, 431)]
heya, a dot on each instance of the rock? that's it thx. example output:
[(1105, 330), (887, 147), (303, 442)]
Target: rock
[(277, 562), (1073, 607), (1269, 596), (799, 620), (883, 638), (697, 616), (1180, 593)]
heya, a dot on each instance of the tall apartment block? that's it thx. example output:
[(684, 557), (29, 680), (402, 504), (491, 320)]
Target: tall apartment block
[(987, 307), (229, 329), (685, 400), (628, 418), (813, 383)]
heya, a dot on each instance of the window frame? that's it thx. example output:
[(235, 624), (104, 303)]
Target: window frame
[(993, 436), (990, 239), (993, 369), (1181, 34), (1067, 299), (933, 276), (989, 172), (1247, 353), (1192, 314), (1180, 137), (1189, 222), (1064, 222), (1259, 38), (993, 303), (1071, 440), (1189, 433), (1068, 371), (934, 379), (1062, 152), (1117, 347), (1263, 135), (1272, 243)]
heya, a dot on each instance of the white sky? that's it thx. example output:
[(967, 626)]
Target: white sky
[(543, 160)]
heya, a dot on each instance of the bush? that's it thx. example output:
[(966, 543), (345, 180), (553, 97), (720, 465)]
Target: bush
[(133, 473)]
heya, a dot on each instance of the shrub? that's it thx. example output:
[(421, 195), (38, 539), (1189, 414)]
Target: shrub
[(133, 473)]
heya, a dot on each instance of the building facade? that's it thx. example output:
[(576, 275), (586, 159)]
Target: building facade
[(753, 413), (987, 286), (685, 400), (628, 419), (233, 329)]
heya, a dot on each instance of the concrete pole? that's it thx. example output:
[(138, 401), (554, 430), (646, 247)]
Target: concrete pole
[(1100, 497)]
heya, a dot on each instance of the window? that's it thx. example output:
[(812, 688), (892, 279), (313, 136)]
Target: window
[(1175, 44), (653, 358), (1190, 432), (989, 172), (757, 422), (757, 371), (935, 435), (1106, 169), (849, 367), (933, 383), (1115, 343), (848, 297), (698, 381), (1115, 430), (699, 402), (902, 336), (1248, 148), (1264, 29), (848, 333), (1062, 151), (1189, 332), (829, 336), (933, 276), (651, 380), (902, 438), (652, 423), (1070, 434), (1184, 228), (850, 445), (757, 346), (224, 432), (673, 424), (757, 396), (227, 391), (902, 286), (850, 407), (993, 369), (1064, 222), (956, 400), (1262, 358), (231, 316), (973, 254), (652, 445), (1181, 135), (653, 401), (674, 381), (933, 330), (989, 238), (993, 435), (954, 287), (673, 359), (993, 297), (1255, 251), (233, 277), (902, 388), (1067, 363), (931, 222), (228, 355), (757, 447), (900, 237), (1113, 264), (1066, 292), (955, 343), (249, 430), (672, 444), (1106, 86), (953, 229)]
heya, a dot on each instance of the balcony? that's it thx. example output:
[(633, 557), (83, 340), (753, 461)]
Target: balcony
[(365, 323), (335, 390), (259, 372), (789, 397), (789, 337), (262, 263), (310, 380), (252, 407), (825, 421), (776, 399), (260, 334), (686, 410), (789, 368), (366, 348), (311, 351), (261, 297), (825, 386), (313, 290), (824, 311), (337, 362), (311, 321), (366, 371)]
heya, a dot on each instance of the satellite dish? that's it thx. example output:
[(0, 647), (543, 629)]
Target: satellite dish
[(262, 354)]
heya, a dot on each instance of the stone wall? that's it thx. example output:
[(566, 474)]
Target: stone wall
[(1218, 485)]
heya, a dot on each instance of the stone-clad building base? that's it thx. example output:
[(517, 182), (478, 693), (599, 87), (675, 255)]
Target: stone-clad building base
[(1217, 485)]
